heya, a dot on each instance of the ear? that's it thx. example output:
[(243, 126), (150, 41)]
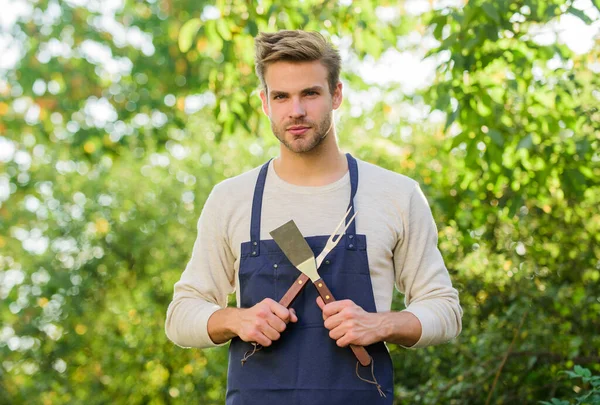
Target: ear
[(265, 102), (337, 96)]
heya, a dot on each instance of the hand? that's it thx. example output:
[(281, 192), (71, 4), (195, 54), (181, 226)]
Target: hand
[(349, 324), (264, 322)]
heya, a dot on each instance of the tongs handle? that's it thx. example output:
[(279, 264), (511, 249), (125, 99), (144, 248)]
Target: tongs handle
[(359, 351)]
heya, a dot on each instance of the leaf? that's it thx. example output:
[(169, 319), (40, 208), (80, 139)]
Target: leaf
[(587, 172), (483, 109), (491, 11), (586, 373), (448, 42), (432, 51), (458, 17), (580, 14), (514, 205), (451, 119), (531, 362), (187, 33), (373, 44), (458, 139), (437, 32), (475, 40), (223, 30), (443, 100), (525, 142), (252, 28), (570, 374), (491, 32), (496, 137)]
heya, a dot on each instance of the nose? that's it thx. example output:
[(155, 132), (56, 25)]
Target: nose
[(298, 109)]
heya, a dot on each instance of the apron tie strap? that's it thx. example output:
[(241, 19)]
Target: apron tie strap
[(255, 347), (374, 381)]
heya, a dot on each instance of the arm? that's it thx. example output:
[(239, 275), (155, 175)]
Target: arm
[(204, 285), (422, 277), (198, 316), (263, 323), (433, 314), (350, 324)]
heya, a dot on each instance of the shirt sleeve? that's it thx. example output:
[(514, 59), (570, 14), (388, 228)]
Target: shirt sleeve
[(205, 283), (422, 277)]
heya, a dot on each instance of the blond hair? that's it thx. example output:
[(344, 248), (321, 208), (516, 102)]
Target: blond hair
[(296, 46)]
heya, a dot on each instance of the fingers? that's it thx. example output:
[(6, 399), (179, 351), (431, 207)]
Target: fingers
[(278, 310), (259, 338), (275, 323), (343, 333), (257, 329), (293, 316), (335, 321), (345, 340), (266, 321), (321, 305), (261, 332), (272, 332), (347, 322), (334, 307)]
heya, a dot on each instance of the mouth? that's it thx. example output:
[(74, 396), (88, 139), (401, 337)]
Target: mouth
[(298, 129)]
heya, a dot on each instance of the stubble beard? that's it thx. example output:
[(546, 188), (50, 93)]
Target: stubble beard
[(320, 132)]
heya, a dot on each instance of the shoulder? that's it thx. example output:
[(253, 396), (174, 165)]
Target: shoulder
[(229, 204), (381, 180), (232, 194), (237, 187)]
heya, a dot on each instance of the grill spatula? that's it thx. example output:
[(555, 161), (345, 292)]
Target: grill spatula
[(290, 240)]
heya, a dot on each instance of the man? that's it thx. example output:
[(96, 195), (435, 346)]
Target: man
[(392, 242)]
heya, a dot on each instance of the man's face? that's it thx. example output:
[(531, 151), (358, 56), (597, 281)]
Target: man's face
[(299, 103)]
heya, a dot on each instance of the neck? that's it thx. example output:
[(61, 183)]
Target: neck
[(323, 165)]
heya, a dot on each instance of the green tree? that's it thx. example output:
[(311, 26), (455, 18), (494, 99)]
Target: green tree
[(107, 162)]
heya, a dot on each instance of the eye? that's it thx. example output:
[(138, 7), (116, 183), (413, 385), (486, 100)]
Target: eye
[(279, 97), (312, 93)]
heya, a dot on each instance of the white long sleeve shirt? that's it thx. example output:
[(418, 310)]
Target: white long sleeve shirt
[(393, 213)]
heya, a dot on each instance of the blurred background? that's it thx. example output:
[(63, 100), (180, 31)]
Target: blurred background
[(118, 117)]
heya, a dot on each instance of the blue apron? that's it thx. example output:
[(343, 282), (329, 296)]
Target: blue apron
[(305, 366)]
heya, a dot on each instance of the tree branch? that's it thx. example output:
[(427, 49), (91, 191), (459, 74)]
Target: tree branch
[(516, 334)]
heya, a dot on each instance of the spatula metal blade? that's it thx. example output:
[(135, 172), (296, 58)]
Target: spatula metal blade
[(290, 240)]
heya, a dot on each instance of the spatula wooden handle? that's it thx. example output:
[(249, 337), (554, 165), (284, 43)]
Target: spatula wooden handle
[(359, 351), (294, 290)]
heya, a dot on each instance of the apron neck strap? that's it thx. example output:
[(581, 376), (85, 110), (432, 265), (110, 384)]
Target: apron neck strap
[(257, 208), (258, 197), (351, 231)]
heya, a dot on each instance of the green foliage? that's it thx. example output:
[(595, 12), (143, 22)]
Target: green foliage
[(224, 54), (100, 215), (587, 396), (520, 216)]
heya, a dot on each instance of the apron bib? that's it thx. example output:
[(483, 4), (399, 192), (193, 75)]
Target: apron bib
[(305, 365)]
